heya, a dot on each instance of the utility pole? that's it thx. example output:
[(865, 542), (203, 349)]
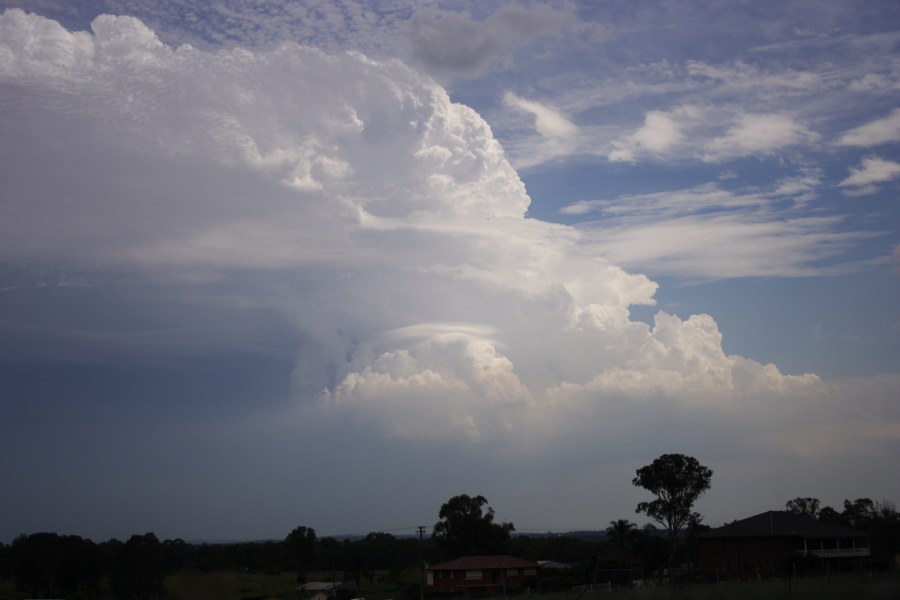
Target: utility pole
[(421, 530)]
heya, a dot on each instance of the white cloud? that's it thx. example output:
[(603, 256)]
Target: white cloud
[(874, 82), (758, 134), (800, 187), (384, 223), (556, 134), (872, 170), (879, 131), (743, 78), (660, 132), (709, 232), (548, 122)]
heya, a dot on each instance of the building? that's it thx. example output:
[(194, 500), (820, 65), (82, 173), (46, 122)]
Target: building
[(491, 575), (322, 590), (775, 542)]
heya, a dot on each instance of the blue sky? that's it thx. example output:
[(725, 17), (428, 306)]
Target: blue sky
[(275, 263)]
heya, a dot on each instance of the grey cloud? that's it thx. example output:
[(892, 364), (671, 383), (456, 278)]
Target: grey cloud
[(455, 44)]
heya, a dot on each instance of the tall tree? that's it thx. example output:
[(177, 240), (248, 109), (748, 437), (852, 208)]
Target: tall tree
[(467, 527), (803, 506), (301, 545), (139, 569), (677, 481), (622, 533)]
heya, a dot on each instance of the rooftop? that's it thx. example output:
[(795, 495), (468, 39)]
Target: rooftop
[(779, 523), (498, 561)]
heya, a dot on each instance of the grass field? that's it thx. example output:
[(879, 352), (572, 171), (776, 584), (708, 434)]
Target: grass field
[(233, 586), (282, 586), (847, 587)]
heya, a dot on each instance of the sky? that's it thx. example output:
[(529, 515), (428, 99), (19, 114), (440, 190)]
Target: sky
[(281, 263)]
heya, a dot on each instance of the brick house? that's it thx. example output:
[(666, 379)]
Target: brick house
[(492, 575), (771, 543)]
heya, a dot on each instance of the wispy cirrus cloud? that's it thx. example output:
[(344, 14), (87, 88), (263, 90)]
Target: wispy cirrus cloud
[(758, 134), (708, 232), (556, 134), (871, 171), (874, 133)]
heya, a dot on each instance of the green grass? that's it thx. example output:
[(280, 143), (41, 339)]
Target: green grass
[(846, 587), (282, 586), (230, 586)]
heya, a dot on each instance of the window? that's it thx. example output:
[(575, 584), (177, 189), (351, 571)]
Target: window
[(473, 574), (512, 572)]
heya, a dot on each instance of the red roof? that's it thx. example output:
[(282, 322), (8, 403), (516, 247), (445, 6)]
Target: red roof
[(498, 561)]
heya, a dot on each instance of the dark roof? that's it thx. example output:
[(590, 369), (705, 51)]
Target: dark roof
[(323, 586), (498, 561), (779, 523)]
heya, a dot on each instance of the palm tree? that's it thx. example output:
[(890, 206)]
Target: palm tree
[(622, 532)]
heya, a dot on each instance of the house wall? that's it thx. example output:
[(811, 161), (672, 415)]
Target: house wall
[(497, 578), (745, 558)]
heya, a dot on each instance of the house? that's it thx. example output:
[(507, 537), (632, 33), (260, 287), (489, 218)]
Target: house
[(492, 575), (774, 542), (322, 590)]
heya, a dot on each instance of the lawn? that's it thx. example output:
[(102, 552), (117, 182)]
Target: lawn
[(282, 586), (846, 587)]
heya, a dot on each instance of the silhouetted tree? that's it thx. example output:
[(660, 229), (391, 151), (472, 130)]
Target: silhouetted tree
[(177, 553), (859, 512), (803, 506), (827, 514), (622, 532), (651, 550), (301, 545), (6, 561), (139, 568), (677, 481), (48, 564), (79, 570), (37, 559), (562, 548), (467, 527)]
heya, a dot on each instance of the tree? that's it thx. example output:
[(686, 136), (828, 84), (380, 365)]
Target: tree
[(650, 550), (828, 515), (859, 512), (622, 533), (49, 565), (139, 569), (803, 506), (467, 527), (37, 558), (301, 544), (677, 481)]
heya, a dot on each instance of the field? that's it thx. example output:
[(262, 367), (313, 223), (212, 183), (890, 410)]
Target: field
[(237, 586), (860, 587)]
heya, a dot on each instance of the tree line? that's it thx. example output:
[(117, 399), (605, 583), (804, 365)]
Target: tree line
[(52, 565)]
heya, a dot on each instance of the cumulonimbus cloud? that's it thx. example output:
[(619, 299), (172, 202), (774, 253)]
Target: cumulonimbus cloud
[(352, 195)]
